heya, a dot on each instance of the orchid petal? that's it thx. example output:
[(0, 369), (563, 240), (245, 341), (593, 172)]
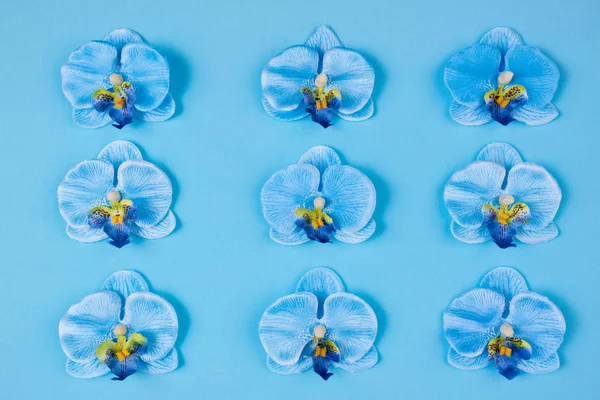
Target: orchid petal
[(286, 73), (471, 320), (351, 324), (285, 327), (154, 318), (349, 72), (470, 188)]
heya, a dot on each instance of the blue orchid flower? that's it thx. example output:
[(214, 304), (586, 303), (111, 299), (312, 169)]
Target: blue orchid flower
[(319, 199), (122, 329), (502, 79), (319, 327), (115, 196), (116, 80), (504, 324), (502, 198), (319, 78)]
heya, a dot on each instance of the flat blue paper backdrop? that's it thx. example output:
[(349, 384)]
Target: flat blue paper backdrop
[(219, 268)]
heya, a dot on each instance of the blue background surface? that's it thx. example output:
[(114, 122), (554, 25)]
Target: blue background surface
[(219, 268)]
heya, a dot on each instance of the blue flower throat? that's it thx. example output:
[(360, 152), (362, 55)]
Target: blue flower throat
[(503, 101), (114, 220), (506, 351), (316, 223), (119, 101), (503, 222), (320, 104), (323, 353), (123, 355)]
